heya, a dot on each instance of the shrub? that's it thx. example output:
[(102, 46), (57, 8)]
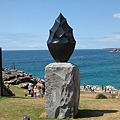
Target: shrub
[(101, 96)]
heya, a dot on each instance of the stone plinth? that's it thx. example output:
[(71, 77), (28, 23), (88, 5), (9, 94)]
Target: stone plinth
[(62, 90)]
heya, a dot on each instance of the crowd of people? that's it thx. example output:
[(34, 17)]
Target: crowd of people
[(89, 88), (36, 91), (103, 88)]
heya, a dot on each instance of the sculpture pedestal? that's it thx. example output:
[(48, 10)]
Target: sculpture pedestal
[(62, 82)]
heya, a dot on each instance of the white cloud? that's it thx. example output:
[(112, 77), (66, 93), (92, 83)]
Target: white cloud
[(112, 41), (115, 38), (117, 15), (22, 41), (25, 41)]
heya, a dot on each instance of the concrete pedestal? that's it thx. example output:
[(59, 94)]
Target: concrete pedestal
[(62, 82)]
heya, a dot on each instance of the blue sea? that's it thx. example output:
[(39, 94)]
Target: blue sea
[(97, 67)]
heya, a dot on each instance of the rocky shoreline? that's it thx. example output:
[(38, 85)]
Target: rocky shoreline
[(23, 79), (17, 77)]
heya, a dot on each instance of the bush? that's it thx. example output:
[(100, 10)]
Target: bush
[(101, 96)]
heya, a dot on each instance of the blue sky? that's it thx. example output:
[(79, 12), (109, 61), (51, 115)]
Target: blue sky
[(25, 24)]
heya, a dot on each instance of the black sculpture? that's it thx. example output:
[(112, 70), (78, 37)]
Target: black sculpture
[(61, 42)]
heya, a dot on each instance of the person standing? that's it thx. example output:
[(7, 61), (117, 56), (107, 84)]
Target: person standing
[(105, 88), (37, 92), (34, 91), (102, 87), (29, 89), (43, 89)]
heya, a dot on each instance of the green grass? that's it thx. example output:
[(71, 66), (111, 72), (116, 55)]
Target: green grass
[(15, 108), (19, 92)]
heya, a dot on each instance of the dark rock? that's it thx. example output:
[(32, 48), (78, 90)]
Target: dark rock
[(7, 91), (18, 77)]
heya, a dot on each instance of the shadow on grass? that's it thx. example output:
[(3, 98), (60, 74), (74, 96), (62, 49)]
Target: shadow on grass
[(19, 97), (22, 97), (93, 113)]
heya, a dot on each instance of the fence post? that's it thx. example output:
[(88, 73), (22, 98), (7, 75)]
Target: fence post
[(1, 81)]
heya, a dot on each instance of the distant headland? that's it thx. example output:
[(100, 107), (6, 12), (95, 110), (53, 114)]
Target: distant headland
[(113, 49), (116, 50)]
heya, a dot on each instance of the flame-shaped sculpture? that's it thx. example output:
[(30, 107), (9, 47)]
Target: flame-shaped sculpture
[(61, 42)]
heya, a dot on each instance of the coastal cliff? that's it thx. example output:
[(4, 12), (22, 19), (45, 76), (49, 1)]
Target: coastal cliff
[(113, 49), (116, 50)]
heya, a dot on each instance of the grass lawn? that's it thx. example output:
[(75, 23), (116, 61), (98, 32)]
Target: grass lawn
[(14, 108)]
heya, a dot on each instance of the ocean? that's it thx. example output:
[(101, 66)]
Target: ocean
[(97, 67)]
